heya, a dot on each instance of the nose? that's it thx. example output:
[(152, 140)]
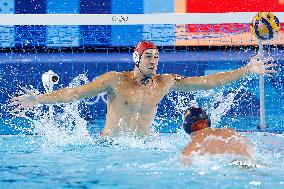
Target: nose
[(153, 64)]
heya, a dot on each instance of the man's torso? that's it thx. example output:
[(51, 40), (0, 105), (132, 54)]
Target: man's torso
[(132, 107)]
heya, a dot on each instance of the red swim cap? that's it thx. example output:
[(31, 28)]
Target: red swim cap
[(143, 45)]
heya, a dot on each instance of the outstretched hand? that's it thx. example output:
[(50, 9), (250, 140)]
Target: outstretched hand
[(23, 103), (258, 65)]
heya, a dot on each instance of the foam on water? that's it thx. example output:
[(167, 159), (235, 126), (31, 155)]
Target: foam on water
[(153, 142)]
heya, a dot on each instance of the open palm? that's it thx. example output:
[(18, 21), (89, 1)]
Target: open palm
[(25, 102), (258, 65)]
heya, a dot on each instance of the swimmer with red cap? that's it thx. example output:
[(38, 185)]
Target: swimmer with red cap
[(133, 96), (147, 53), (206, 140)]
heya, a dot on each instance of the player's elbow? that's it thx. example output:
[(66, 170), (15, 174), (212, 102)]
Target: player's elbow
[(207, 84), (210, 84), (76, 95), (70, 95)]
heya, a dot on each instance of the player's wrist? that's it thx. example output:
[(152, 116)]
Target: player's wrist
[(246, 70), (39, 99)]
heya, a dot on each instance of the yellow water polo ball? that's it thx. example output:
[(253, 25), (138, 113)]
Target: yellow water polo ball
[(265, 25)]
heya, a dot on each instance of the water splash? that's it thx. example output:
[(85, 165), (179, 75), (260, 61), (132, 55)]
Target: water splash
[(67, 127), (215, 103), (155, 141), (61, 124)]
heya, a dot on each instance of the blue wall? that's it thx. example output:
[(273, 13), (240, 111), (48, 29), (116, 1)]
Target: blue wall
[(67, 36), (76, 36), (30, 36), (95, 35), (134, 32)]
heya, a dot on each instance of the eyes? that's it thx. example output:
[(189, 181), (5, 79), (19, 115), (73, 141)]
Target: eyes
[(150, 57)]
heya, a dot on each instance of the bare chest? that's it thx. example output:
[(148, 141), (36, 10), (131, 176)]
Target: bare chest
[(140, 98)]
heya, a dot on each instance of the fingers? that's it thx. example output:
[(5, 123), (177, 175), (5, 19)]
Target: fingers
[(21, 104), (23, 88), (29, 92), (18, 110), (258, 56), (14, 103), (267, 72), (270, 71), (269, 75), (270, 65), (16, 106), (268, 59), (17, 98)]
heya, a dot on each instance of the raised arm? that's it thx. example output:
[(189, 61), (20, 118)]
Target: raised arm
[(103, 83), (255, 66)]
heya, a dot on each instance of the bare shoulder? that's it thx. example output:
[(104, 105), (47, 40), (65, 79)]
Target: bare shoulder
[(113, 75), (172, 77), (108, 78), (230, 130), (126, 74), (224, 132), (159, 78), (216, 131)]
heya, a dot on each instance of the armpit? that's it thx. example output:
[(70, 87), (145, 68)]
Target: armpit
[(177, 77)]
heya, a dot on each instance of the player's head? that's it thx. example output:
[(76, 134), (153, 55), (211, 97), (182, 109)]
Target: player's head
[(146, 57), (195, 119)]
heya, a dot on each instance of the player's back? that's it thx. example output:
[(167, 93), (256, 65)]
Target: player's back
[(218, 141)]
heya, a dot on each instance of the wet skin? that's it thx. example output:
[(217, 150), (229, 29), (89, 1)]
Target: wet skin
[(218, 141)]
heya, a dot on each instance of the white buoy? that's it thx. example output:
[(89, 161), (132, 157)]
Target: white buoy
[(49, 79)]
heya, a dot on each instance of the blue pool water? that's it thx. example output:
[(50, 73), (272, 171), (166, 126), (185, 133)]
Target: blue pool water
[(32, 162)]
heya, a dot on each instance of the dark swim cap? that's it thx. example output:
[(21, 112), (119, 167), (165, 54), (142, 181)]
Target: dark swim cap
[(193, 118)]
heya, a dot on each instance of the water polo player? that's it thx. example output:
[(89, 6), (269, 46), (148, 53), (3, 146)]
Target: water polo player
[(133, 96), (195, 119), (206, 140)]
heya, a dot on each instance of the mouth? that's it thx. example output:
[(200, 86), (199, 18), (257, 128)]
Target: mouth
[(151, 68)]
